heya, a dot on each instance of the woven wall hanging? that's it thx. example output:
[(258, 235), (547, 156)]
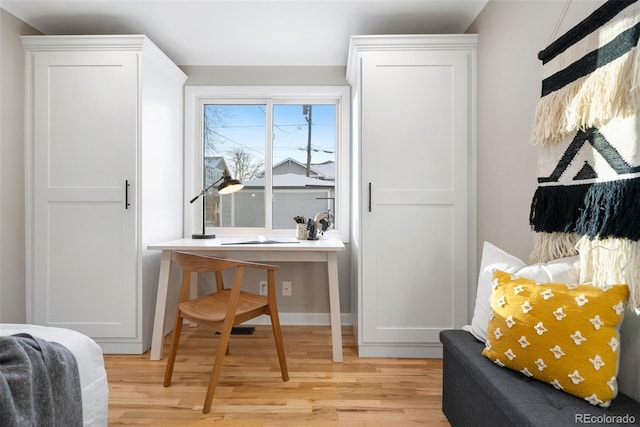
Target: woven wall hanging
[(587, 131)]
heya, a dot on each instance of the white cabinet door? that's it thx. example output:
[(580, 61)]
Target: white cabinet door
[(415, 178), (84, 154)]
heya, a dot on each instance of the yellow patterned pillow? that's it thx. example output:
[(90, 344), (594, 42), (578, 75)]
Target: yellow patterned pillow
[(563, 334)]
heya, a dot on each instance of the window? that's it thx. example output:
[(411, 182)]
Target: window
[(288, 146)]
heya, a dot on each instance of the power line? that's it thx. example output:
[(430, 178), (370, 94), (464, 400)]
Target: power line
[(316, 150)]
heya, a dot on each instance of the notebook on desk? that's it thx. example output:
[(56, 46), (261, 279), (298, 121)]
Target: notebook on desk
[(260, 242)]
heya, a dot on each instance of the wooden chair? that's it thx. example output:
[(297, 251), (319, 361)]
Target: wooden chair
[(222, 310)]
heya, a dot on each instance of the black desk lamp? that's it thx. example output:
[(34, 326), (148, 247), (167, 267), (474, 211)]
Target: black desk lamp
[(228, 186)]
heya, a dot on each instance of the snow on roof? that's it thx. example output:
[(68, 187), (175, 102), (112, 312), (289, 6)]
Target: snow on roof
[(215, 162), (327, 169)]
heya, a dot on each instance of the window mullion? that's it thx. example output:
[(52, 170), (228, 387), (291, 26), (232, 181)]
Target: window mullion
[(268, 166)]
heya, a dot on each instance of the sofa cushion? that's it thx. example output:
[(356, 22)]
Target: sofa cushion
[(629, 374), (508, 398), (565, 335), (564, 270)]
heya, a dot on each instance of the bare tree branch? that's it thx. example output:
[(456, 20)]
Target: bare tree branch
[(242, 164)]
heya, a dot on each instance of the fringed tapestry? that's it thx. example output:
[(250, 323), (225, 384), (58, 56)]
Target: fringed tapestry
[(587, 130)]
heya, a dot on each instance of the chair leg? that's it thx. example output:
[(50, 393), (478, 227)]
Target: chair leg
[(277, 335), (223, 348), (174, 350)]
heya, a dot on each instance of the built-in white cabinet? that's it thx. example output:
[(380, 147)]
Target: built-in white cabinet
[(104, 162), (413, 242)]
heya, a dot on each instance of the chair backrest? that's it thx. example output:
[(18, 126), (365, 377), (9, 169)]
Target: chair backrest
[(200, 264)]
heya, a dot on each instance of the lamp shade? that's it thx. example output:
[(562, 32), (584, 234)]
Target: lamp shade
[(229, 185)]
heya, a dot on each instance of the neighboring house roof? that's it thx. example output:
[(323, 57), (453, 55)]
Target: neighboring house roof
[(288, 173), (289, 165), (214, 167), (291, 180), (215, 162), (324, 170)]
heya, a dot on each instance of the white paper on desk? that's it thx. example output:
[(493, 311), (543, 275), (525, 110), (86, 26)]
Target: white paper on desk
[(261, 240)]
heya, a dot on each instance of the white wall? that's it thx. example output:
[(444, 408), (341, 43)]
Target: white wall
[(265, 76), (12, 245), (511, 34)]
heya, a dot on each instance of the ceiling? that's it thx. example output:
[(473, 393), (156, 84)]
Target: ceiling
[(248, 32)]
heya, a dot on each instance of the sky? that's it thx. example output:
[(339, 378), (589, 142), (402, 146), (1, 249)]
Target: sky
[(243, 126)]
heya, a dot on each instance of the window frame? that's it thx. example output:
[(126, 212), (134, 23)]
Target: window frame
[(195, 99)]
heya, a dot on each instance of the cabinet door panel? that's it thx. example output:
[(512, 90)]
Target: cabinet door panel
[(412, 289), (415, 155), (85, 118), (83, 284)]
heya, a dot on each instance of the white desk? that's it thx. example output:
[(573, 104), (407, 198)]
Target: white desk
[(323, 250)]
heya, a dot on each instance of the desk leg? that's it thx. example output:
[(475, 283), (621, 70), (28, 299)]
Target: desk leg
[(334, 306), (161, 306)]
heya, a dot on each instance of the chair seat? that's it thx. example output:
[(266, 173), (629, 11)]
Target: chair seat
[(213, 307)]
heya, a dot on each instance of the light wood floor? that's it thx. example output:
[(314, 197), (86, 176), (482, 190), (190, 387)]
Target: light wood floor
[(359, 392)]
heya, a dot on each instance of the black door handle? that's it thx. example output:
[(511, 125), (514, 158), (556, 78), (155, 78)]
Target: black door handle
[(126, 194)]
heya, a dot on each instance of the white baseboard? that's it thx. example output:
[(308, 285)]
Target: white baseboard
[(302, 319), (425, 351)]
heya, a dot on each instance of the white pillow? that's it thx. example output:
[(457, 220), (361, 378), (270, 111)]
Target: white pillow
[(563, 270)]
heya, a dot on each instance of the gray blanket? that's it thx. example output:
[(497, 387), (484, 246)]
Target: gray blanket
[(39, 383)]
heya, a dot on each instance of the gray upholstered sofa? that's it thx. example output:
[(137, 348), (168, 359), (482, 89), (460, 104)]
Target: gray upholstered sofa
[(478, 393)]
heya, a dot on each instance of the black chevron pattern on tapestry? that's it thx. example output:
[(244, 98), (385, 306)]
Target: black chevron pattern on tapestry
[(599, 199), (587, 172), (601, 145)]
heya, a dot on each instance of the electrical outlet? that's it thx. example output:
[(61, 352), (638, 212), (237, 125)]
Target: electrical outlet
[(262, 287), (286, 288)]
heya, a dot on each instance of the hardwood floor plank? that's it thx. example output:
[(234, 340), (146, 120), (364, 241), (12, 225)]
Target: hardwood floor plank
[(360, 392)]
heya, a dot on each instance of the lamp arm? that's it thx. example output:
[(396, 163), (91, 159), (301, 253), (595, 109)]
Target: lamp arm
[(205, 190)]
